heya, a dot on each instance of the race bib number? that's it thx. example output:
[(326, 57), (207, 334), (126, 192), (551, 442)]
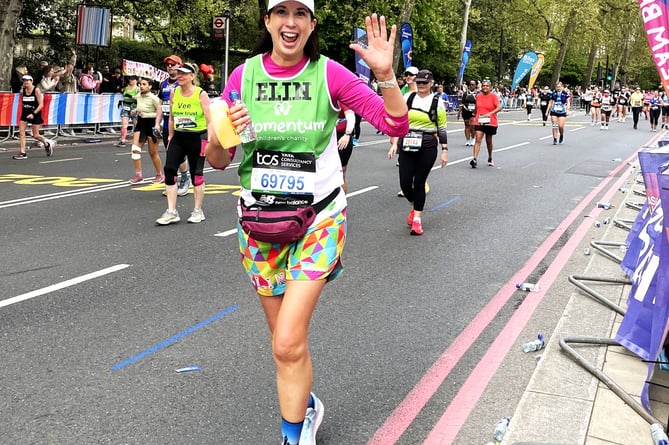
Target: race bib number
[(166, 109), (280, 178), (654, 107), (484, 120), (184, 122), (558, 108), (413, 140), (544, 103), (126, 107), (606, 107), (471, 107)]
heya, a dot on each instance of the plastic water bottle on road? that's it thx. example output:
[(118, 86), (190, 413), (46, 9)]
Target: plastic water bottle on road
[(658, 434), (528, 287), (534, 345), (500, 429)]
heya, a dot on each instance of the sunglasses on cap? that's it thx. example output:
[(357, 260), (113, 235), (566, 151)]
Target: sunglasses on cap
[(409, 74), (421, 82), (172, 64)]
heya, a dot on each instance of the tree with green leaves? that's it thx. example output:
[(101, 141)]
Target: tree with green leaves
[(574, 35)]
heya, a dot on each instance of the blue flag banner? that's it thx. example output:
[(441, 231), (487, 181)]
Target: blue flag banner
[(643, 327), (524, 66), (463, 63), (660, 313), (406, 39), (651, 162), (361, 67)]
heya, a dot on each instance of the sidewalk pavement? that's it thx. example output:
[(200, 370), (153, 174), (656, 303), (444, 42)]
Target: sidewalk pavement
[(564, 403)]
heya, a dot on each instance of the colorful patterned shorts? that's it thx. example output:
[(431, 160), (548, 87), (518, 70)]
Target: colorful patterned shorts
[(316, 256)]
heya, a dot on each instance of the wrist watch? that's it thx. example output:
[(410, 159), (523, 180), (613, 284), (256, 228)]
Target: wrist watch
[(387, 83)]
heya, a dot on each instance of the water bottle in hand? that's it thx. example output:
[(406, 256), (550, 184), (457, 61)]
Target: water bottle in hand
[(249, 133)]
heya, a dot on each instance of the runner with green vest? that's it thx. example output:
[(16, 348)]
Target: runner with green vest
[(292, 94), (128, 105), (189, 118)]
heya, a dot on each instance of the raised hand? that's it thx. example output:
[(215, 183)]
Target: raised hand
[(378, 53)]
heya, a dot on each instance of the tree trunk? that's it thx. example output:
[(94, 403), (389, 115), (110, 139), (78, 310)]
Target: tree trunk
[(587, 80), (624, 59), (404, 17), (563, 47), (8, 22), (465, 24)]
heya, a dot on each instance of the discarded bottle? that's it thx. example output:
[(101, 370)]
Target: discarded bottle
[(586, 251), (622, 190), (606, 220), (534, 345), (604, 205), (249, 133), (658, 434), (597, 224), (528, 287), (500, 429)]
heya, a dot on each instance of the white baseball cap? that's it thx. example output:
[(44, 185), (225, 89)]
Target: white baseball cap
[(412, 70), (308, 3)]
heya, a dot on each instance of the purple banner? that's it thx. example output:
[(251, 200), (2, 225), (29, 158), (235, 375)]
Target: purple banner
[(660, 313), (651, 162), (641, 261)]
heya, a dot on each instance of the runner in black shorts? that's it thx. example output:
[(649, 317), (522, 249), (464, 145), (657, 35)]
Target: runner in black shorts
[(31, 113), (467, 109)]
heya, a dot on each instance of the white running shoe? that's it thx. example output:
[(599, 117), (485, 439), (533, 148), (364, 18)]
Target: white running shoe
[(312, 421), (196, 216), (168, 218)]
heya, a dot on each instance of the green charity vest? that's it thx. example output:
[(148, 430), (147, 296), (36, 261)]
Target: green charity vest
[(291, 115), (187, 111)]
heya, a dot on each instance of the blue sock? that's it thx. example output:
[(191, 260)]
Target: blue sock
[(291, 431)]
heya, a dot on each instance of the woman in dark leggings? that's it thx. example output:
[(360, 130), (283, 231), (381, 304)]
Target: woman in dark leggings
[(656, 105), (418, 148)]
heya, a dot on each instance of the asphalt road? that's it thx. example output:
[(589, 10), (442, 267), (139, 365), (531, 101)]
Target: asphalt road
[(99, 306)]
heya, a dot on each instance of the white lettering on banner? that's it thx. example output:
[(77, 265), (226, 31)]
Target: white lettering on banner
[(657, 36), (651, 12), (653, 17), (648, 262)]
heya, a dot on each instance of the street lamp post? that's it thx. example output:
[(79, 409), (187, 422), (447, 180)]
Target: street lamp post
[(226, 14)]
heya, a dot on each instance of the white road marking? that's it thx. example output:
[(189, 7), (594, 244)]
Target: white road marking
[(62, 285)]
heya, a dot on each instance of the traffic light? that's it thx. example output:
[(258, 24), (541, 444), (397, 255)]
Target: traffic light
[(609, 73)]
